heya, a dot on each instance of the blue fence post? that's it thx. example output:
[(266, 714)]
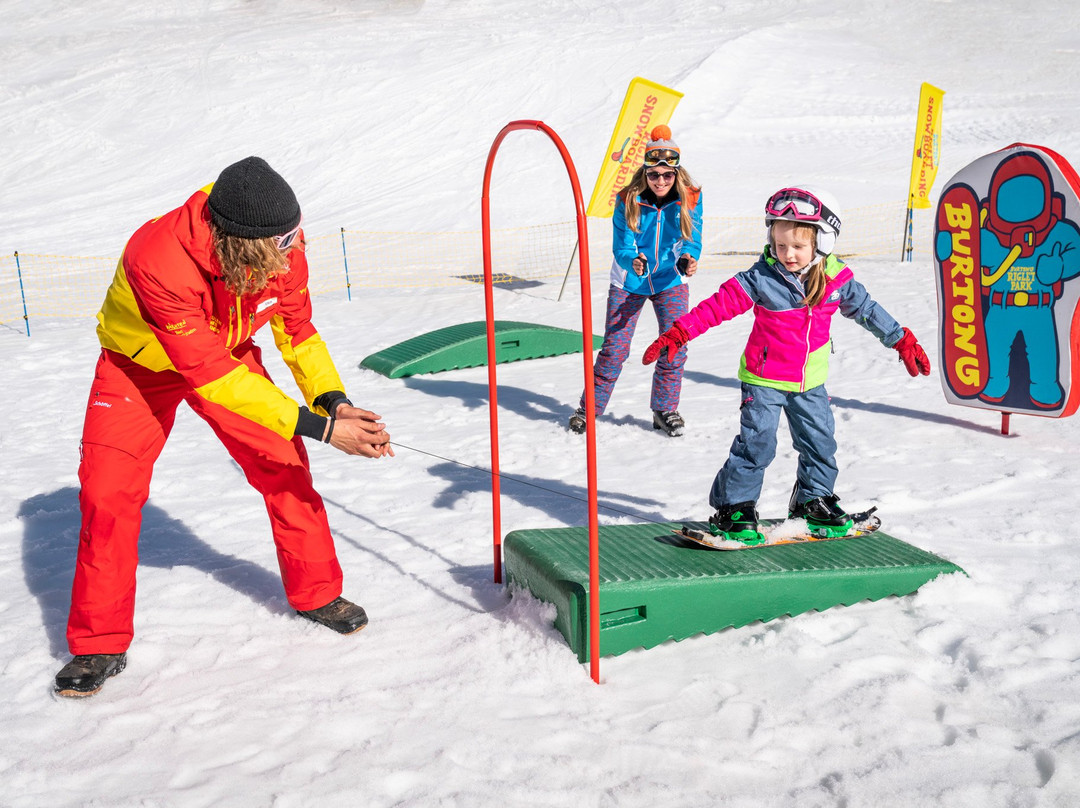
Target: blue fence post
[(22, 292), (909, 236), (345, 258)]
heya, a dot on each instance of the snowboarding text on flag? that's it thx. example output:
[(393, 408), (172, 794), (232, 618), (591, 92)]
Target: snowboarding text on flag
[(927, 151), (647, 104)]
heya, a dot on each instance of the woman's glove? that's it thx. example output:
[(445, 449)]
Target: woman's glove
[(912, 354), (686, 265), (672, 339)]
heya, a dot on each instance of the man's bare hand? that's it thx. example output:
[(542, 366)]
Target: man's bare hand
[(348, 411), (360, 432)]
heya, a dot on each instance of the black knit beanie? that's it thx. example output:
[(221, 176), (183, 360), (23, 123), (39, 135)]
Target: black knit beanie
[(251, 200)]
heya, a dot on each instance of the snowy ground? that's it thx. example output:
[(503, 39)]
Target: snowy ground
[(381, 114)]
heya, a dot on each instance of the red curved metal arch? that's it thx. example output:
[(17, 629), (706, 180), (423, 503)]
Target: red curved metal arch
[(587, 338)]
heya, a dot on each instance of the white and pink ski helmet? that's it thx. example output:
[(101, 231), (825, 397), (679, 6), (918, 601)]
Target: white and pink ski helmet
[(808, 205)]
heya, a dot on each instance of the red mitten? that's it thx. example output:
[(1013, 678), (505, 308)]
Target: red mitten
[(912, 354), (672, 339)]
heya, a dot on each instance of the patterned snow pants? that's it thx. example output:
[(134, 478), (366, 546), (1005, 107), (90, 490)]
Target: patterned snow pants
[(623, 309)]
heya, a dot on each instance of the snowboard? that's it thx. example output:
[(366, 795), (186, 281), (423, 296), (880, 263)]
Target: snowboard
[(777, 534)]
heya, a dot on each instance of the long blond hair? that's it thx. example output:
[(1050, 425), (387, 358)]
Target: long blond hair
[(248, 264), (814, 279), (638, 184)]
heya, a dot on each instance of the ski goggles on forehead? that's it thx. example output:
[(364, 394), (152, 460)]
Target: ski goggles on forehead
[(285, 240), (800, 205), (657, 157)]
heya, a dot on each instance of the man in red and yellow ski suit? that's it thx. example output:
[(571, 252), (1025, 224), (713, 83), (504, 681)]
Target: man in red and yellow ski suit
[(172, 329)]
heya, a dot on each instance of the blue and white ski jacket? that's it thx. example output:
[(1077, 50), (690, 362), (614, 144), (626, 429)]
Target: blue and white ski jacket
[(659, 237)]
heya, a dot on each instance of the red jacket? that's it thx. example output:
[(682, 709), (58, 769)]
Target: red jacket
[(168, 308)]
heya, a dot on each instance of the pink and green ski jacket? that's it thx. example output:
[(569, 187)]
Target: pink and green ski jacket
[(789, 344)]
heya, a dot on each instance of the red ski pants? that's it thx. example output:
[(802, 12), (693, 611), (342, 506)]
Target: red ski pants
[(128, 419)]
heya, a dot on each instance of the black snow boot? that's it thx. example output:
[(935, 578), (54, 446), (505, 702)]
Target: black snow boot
[(824, 517), (669, 421), (85, 674), (578, 422), (341, 615)]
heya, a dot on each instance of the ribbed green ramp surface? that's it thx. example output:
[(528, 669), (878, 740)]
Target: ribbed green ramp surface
[(654, 587), (465, 346)]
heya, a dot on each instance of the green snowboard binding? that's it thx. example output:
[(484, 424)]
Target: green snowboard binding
[(737, 522), (824, 518)]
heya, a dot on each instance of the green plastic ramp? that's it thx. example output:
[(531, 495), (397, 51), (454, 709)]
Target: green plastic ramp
[(654, 587), (465, 346)]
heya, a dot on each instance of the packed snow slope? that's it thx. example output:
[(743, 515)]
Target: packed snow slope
[(380, 114)]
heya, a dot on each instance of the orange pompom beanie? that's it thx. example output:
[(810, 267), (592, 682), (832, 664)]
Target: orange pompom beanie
[(660, 138)]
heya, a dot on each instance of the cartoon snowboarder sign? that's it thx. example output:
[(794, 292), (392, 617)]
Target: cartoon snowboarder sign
[(1007, 249)]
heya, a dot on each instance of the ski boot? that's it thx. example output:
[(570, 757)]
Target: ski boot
[(86, 674), (669, 421), (824, 518), (341, 615), (578, 422), (736, 522)]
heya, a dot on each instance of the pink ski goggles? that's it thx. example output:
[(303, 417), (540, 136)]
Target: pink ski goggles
[(802, 206), (285, 240)]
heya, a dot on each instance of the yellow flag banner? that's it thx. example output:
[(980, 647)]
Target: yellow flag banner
[(647, 104), (925, 158)]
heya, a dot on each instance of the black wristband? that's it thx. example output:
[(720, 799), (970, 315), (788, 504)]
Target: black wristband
[(330, 400), (329, 431), (310, 425)]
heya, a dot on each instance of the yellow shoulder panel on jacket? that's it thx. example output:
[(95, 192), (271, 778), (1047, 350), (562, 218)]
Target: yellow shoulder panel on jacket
[(121, 327), (310, 363)]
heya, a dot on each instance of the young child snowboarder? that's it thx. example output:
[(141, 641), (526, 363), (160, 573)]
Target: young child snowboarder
[(794, 288)]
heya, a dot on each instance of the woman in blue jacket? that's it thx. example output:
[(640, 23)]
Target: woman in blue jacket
[(656, 244)]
